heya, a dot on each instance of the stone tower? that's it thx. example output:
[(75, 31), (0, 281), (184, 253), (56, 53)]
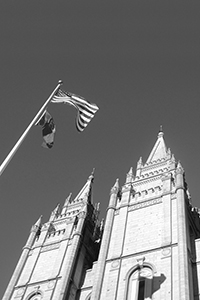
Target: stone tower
[(149, 249), (58, 253)]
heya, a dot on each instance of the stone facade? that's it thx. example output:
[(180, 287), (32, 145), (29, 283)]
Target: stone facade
[(149, 247)]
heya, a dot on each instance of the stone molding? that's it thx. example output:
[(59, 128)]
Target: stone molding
[(145, 204), (145, 180), (142, 253), (50, 247)]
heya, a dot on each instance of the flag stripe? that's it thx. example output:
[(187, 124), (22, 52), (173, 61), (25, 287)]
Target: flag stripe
[(86, 110), (84, 102)]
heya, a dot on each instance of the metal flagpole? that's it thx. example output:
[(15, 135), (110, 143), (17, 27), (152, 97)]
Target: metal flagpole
[(21, 139)]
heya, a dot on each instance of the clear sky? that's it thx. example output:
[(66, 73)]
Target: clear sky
[(139, 61)]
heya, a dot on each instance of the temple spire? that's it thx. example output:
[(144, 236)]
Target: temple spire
[(85, 193), (159, 150)]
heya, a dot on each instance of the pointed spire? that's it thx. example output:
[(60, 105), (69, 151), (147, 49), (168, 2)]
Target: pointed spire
[(169, 152), (159, 150), (130, 176), (56, 210), (115, 188), (179, 168), (85, 193), (139, 163), (67, 201), (37, 224), (54, 213), (139, 167), (180, 178)]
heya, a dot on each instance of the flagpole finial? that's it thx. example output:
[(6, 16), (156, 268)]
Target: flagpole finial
[(60, 81)]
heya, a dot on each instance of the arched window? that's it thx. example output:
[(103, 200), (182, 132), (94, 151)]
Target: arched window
[(139, 285), (35, 296), (88, 297)]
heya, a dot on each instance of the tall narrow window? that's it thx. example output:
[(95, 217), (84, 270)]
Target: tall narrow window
[(140, 284), (141, 288)]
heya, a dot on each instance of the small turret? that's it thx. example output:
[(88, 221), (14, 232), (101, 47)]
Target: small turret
[(130, 176), (55, 213), (115, 188), (179, 168), (37, 226), (67, 201), (139, 167)]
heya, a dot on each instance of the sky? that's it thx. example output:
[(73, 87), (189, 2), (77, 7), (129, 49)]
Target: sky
[(139, 61)]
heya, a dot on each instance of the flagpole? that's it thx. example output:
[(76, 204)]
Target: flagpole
[(21, 139)]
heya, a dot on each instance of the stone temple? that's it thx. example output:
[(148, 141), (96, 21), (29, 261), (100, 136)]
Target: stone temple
[(147, 248)]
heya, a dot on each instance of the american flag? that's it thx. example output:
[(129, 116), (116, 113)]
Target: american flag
[(86, 110)]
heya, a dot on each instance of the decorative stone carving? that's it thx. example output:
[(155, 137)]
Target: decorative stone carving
[(144, 204), (146, 272), (115, 264), (20, 292), (140, 261), (166, 251), (51, 284)]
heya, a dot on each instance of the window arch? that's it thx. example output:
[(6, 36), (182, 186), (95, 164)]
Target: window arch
[(35, 296), (88, 297), (139, 283)]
